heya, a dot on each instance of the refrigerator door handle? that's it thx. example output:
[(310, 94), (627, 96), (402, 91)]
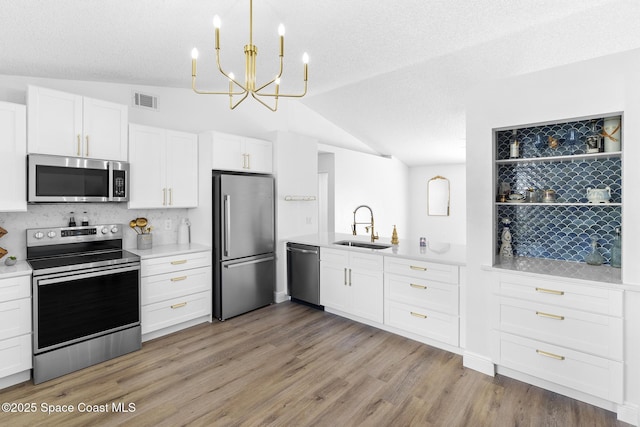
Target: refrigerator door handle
[(227, 224), (255, 261)]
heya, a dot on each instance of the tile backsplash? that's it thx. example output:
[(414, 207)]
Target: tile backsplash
[(561, 230), (57, 215)]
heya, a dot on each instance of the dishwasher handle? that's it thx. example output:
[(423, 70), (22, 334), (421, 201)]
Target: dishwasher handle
[(302, 251)]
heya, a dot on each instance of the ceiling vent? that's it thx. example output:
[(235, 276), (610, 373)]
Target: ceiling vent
[(145, 101)]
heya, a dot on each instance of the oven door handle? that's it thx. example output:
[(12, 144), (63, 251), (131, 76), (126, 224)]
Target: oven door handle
[(101, 271)]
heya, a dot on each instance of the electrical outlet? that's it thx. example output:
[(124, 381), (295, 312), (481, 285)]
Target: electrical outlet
[(167, 224)]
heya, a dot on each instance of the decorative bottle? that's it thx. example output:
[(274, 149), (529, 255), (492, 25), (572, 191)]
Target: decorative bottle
[(594, 258), (616, 250), (514, 147)]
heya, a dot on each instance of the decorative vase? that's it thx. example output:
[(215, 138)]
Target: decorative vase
[(10, 261), (594, 258), (506, 251), (145, 241), (612, 134)]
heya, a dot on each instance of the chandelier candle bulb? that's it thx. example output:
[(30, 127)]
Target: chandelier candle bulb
[(194, 58), (216, 25), (281, 33)]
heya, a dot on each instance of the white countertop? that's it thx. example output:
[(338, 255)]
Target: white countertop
[(444, 253), (21, 268), (168, 250), (564, 269)]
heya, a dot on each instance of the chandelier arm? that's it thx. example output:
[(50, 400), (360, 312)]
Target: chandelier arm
[(203, 92), (278, 95), (232, 105), (274, 79), (264, 103), (244, 89)]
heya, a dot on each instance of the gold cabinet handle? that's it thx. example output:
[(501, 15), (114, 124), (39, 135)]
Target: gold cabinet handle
[(549, 291), (248, 161), (244, 160), (413, 285), (87, 152), (164, 197), (415, 267), (78, 150), (170, 196), (182, 304), (422, 316), (178, 279), (550, 355), (182, 261), (345, 277), (549, 316), (349, 277)]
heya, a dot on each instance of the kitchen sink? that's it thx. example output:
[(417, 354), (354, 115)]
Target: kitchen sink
[(359, 244)]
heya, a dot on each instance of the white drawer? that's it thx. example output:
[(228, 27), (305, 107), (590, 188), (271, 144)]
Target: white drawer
[(578, 330), (556, 292), (15, 355), (427, 323), (430, 294), (421, 269), (15, 318), (589, 374), (175, 263), (175, 311), (15, 287), (161, 287)]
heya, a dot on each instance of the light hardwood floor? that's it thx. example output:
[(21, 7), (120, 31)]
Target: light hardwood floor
[(290, 365)]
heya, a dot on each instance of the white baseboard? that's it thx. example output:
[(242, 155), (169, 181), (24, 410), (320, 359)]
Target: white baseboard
[(628, 413), (279, 297), (479, 363), (14, 379)]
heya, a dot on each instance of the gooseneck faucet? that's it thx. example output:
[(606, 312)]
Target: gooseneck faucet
[(369, 224)]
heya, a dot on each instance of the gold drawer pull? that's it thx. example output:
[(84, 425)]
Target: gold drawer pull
[(550, 316), (413, 285), (422, 316), (551, 355), (549, 291), (182, 304), (182, 261), (177, 279), (415, 267)]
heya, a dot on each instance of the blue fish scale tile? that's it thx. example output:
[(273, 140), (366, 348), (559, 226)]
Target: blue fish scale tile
[(569, 180), (534, 141), (559, 232)]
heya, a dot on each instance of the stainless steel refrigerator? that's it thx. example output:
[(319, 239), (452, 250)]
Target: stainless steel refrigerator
[(244, 243)]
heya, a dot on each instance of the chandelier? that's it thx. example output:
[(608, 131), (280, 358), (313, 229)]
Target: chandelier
[(249, 87)]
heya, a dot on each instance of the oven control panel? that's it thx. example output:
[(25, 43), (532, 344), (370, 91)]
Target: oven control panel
[(61, 235)]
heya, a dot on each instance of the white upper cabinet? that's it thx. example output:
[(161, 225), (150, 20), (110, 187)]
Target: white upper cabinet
[(13, 149), (65, 124), (239, 153), (164, 168)]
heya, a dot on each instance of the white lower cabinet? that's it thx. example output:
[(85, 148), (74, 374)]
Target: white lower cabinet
[(15, 329), (422, 298), (567, 333), (352, 282), (175, 289)]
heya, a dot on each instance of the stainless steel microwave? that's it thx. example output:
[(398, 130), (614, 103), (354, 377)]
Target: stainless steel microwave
[(59, 179)]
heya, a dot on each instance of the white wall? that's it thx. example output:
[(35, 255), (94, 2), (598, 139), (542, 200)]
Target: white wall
[(595, 87), (296, 163), (365, 179), (452, 228)]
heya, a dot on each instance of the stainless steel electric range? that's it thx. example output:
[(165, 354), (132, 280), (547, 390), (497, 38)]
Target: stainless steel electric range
[(86, 298)]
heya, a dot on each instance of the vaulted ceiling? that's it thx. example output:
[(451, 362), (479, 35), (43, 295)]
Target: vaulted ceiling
[(392, 74)]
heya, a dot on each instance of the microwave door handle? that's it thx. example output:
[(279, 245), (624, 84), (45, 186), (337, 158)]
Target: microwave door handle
[(227, 224), (111, 183)]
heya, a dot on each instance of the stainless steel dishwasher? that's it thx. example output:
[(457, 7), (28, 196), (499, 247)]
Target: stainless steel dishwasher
[(303, 273)]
